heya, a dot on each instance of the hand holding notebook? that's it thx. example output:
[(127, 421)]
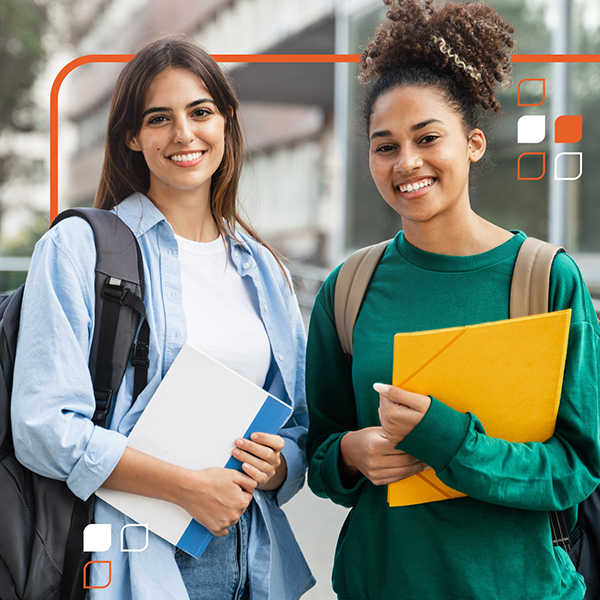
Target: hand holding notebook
[(400, 411)]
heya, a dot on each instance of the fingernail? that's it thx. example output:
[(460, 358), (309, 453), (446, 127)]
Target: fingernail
[(239, 442), (381, 388), (236, 452), (254, 436)]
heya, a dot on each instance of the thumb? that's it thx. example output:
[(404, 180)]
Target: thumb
[(400, 396)]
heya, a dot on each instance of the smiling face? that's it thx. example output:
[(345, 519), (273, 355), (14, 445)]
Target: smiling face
[(419, 155), (182, 136)]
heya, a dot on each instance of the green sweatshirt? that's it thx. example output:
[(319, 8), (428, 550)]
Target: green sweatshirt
[(496, 543)]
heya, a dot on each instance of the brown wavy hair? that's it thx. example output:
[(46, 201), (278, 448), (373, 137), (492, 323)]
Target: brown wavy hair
[(125, 171), (462, 49)]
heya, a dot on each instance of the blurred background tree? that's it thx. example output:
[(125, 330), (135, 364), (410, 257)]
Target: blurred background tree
[(22, 25)]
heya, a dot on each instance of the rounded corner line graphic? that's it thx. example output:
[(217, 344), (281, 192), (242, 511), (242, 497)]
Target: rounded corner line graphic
[(137, 526), (580, 155), (542, 154), (519, 103), (87, 586)]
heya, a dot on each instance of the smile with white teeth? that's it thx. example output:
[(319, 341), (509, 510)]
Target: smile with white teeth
[(186, 157), (413, 187)]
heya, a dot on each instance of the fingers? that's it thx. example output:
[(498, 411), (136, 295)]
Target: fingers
[(246, 482), (392, 475), (275, 442), (261, 456)]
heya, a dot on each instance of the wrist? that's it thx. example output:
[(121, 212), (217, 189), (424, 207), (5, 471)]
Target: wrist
[(349, 472)]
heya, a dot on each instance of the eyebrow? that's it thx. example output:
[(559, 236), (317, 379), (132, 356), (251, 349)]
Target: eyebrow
[(416, 127), (155, 109)]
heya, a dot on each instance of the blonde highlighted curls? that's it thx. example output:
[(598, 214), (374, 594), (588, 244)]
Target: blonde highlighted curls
[(441, 43), (467, 42)]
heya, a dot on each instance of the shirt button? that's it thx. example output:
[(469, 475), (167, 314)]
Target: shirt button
[(236, 253), (265, 307), (246, 265), (281, 357)]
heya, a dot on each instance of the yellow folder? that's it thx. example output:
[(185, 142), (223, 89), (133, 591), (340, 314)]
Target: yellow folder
[(507, 373)]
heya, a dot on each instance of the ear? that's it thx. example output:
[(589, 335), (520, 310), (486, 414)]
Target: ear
[(477, 145), (132, 143)]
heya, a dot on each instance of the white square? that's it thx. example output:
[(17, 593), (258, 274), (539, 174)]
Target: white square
[(96, 537), (531, 129)]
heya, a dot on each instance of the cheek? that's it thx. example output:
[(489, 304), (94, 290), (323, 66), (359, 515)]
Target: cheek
[(154, 144)]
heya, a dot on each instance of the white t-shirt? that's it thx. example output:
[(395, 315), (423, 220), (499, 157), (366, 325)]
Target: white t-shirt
[(221, 309)]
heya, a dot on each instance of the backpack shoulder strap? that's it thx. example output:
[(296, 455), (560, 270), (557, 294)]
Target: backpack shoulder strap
[(530, 295), (351, 286), (119, 286), (530, 288)]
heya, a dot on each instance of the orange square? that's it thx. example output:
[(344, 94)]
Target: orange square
[(568, 129), (529, 165), (85, 571)]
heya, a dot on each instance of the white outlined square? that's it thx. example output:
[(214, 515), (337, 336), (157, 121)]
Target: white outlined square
[(96, 537), (137, 525), (556, 177), (531, 129)]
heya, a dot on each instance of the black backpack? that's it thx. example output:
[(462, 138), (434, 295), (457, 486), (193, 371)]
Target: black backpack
[(529, 296), (41, 520)]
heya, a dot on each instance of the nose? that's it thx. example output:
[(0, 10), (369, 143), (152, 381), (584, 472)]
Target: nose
[(183, 133), (408, 159)]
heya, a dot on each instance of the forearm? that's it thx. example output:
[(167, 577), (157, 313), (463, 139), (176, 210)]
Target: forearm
[(144, 475)]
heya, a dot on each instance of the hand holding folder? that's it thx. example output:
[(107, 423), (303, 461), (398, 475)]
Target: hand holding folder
[(508, 373)]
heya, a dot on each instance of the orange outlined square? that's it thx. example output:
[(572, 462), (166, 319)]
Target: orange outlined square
[(519, 103), (568, 129), (85, 570), (542, 154)]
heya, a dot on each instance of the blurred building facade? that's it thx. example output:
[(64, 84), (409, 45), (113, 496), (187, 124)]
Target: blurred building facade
[(306, 185)]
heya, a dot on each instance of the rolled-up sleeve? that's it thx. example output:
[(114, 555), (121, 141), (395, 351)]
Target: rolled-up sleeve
[(52, 401)]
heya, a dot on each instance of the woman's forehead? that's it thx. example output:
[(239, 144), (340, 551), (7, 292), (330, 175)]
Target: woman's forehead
[(411, 105), (175, 83)]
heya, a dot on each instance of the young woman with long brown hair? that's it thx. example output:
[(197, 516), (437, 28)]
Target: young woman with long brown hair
[(174, 152), (431, 72)]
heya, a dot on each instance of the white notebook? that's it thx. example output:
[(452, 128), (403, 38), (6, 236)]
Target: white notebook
[(200, 408)]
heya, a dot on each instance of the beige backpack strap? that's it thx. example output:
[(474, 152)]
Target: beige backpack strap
[(352, 282), (530, 288)]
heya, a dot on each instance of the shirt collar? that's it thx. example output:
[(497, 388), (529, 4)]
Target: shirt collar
[(140, 214)]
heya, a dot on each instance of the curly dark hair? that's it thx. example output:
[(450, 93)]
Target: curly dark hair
[(464, 49)]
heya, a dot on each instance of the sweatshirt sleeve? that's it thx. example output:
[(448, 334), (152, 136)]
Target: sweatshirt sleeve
[(53, 400), (554, 475), (331, 402)]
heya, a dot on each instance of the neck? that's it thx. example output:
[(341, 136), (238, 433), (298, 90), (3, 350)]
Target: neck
[(189, 216), (455, 235)]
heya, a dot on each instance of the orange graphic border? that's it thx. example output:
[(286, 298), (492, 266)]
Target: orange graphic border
[(239, 58)]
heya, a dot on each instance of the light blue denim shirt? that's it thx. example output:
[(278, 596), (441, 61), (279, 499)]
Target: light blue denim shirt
[(53, 401)]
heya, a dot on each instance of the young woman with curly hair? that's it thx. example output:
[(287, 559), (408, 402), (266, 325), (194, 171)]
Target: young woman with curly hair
[(174, 152), (431, 74)]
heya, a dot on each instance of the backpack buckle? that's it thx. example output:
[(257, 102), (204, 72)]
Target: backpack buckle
[(103, 401), (114, 289), (139, 355)]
